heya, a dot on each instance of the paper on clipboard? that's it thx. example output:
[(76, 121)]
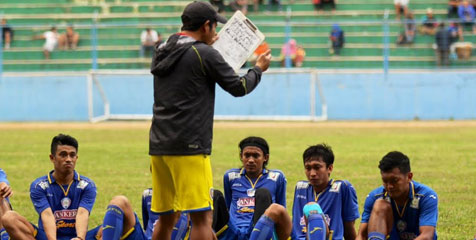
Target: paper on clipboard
[(237, 40)]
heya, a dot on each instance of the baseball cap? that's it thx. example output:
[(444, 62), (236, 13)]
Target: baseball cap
[(197, 13)]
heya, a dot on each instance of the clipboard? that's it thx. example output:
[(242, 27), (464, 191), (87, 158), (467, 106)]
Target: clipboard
[(237, 40)]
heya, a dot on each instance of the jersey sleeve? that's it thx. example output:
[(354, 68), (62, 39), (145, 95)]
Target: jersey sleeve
[(297, 232), (88, 197), (227, 190), (429, 210), (281, 191), (350, 206), (38, 196), (368, 205), (3, 177)]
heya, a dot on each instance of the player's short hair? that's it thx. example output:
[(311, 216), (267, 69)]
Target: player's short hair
[(321, 151), (258, 142), (63, 139), (393, 160)]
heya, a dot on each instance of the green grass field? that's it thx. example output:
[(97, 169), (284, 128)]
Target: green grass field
[(114, 155)]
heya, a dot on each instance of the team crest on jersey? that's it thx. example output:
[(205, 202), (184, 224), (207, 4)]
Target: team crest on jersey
[(65, 202), (415, 203), (82, 184), (335, 187), (302, 185), (43, 185), (273, 176), (246, 202), (233, 175)]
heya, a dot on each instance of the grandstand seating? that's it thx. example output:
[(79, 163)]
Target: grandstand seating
[(119, 23)]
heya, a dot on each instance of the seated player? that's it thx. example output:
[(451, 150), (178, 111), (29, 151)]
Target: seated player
[(401, 208), (5, 193), (337, 198), (242, 192), (62, 198), (120, 221)]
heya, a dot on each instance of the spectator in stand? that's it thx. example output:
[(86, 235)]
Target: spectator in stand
[(337, 39), (467, 14), (443, 43), (262, 48), (68, 39), (241, 5), (296, 54), (453, 8), (256, 4), (7, 34), (51, 41), (456, 32), (429, 23), (319, 4), (408, 35), (401, 5), (219, 5), (148, 38)]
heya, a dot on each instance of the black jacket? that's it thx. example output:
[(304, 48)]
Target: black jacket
[(185, 72)]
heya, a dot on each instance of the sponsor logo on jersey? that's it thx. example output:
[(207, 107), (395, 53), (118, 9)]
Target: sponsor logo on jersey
[(315, 229), (233, 175), (302, 185), (301, 196), (246, 202), (236, 185), (147, 193), (43, 185), (65, 214), (335, 187), (63, 224), (82, 184), (433, 196), (246, 210), (415, 203), (273, 176)]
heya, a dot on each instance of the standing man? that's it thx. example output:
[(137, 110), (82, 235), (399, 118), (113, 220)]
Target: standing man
[(443, 42), (5, 193), (337, 198), (62, 198), (186, 69), (401, 208)]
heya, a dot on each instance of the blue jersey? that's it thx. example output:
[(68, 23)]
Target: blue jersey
[(338, 202), (421, 211), (3, 177), (64, 201), (239, 194)]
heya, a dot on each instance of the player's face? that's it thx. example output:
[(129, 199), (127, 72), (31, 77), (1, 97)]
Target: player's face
[(397, 184), (253, 160), (317, 172), (64, 160)]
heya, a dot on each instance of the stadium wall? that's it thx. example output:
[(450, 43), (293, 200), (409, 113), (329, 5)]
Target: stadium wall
[(349, 96)]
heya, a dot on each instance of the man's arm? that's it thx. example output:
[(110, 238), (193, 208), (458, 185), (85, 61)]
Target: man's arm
[(81, 223), (49, 223), (362, 232), (349, 230), (426, 233)]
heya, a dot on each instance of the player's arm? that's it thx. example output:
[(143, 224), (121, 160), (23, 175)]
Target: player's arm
[(49, 223), (5, 190), (82, 223), (426, 233), (363, 233), (349, 230)]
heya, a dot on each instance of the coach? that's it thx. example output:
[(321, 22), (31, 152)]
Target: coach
[(186, 69)]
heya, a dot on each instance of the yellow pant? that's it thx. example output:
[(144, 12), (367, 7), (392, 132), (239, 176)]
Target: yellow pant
[(181, 183)]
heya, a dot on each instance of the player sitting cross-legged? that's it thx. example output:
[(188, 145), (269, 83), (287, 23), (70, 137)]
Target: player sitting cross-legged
[(120, 221), (62, 198), (251, 191)]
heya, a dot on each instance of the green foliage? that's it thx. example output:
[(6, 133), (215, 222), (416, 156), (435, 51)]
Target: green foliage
[(116, 157)]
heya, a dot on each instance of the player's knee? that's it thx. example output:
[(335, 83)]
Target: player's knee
[(121, 201), (10, 219), (275, 212), (381, 207)]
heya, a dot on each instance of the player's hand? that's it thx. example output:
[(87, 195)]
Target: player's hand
[(264, 60), (5, 190)]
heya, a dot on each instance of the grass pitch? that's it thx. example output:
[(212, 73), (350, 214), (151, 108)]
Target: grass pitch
[(114, 155)]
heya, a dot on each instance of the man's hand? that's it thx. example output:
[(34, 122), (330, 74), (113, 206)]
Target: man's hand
[(264, 60), (5, 190)]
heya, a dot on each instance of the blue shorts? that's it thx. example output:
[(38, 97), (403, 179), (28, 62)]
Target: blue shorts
[(4, 234), (41, 235), (135, 233)]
